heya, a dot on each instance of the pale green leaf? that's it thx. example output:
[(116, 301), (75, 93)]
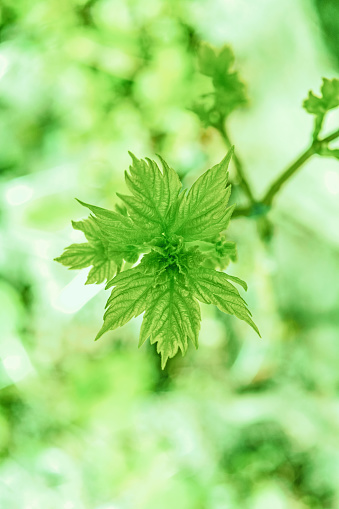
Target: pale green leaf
[(327, 101), (222, 67), (229, 91), (207, 59), (330, 92)]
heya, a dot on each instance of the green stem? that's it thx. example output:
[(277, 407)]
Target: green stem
[(242, 212), (331, 137), (237, 162), (280, 181), (274, 188), (287, 174)]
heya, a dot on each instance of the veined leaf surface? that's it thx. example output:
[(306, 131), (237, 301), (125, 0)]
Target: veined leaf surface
[(172, 317)]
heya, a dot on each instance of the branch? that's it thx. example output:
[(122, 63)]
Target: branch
[(242, 212), (313, 149), (331, 137), (272, 191), (259, 207), (237, 162)]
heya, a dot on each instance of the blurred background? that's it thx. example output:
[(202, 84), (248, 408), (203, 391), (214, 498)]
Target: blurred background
[(242, 422)]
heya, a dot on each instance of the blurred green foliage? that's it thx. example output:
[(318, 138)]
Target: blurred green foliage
[(242, 422)]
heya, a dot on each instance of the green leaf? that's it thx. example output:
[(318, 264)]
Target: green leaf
[(213, 287), (128, 299), (172, 317), (202, 212), (105, 258), (328, 100), (77, 256), (207, 59), (230, 95), (205, 108), (218, 252), (229, 91), (222, 67), (118, 228), (330, 93), (313, 104), (153, 193)]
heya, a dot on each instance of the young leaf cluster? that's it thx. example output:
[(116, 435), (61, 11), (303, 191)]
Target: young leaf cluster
[(319, 106), (178, 236), (228, 90)]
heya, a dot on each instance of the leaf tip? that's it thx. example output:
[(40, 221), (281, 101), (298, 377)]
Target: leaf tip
[(254, 327), (164, 359), (82, 202), (100, 333), (133, 157), (225, 161), (161, 158)]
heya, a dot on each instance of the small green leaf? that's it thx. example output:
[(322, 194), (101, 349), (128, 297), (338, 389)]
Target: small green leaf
[(224, 62), (229, 91), (230, 95), (205, 109), (207, 59), (328, 100), (330, 93), (313, 104), (218, 252)]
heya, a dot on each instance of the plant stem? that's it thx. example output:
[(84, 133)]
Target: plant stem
[(237, 162), (242, 212), (331, 137), (277, 184), (274, 188), (280, 181)]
